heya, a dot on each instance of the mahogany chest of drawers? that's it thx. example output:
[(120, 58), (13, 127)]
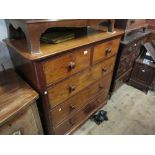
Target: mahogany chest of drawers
[(73, 78)]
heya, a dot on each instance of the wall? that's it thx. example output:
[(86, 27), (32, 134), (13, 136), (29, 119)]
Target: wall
[(4, 53)]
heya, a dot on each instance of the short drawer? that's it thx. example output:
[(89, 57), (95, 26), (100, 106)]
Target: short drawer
[(66, 65), (69, 87), (76, 102), (81, 116), (135, 23), (105, 50)]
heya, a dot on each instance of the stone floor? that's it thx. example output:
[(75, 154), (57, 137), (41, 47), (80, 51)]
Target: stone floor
[(130, 112)]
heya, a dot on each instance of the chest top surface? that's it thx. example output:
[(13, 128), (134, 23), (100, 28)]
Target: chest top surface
[(54, 49), (15, 94)]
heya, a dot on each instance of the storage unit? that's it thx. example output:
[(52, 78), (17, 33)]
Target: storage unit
[(72, 77), (143, 72), (130, 47), (18, 109)]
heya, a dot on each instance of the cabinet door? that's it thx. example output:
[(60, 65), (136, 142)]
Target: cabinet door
[(143, 73)]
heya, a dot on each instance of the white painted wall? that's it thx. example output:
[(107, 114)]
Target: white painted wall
[(4, 53)]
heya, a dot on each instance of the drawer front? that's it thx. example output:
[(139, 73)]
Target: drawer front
[(105, 50), (66, 65), (143, 73), (69, 87), (134, 23), (76, 102), (80, 116)]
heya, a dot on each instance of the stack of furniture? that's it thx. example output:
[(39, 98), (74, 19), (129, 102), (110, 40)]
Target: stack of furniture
[(72, 77), (135, 36), (18, 110), (143, 72)]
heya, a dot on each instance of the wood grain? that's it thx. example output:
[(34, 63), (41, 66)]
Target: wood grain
[(51, 50), (15, 95), (78, 101), (105, 50), (61, 91), (71, 63)]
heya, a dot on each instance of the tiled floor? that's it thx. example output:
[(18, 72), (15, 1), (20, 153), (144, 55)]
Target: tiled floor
[(130, 111)]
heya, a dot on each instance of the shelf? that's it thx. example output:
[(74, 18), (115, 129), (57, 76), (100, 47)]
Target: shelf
[(33, 29), (52, 49)]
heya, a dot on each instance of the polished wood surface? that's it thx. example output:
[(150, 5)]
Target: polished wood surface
[(15, 95), (71, 63), (67, 78), (32, 36), (51, 50), (130, 24), (68, 126), (78, 101), (105, 50), (25, 123), (67, 88), (18, 110)]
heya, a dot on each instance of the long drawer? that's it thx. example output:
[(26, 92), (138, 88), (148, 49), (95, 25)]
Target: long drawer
[(76, 102), (66, 65), (81, 116), (105, 50), (69, 87)]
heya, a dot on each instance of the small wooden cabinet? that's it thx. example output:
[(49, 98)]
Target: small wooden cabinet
[(143, 72), (72, 77), (18, 109)]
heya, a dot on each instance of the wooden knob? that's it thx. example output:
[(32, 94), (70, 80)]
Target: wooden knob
[(104, 70), (72, 107), (100, 86), (108, 50), (72, 88), (132, 21), (71, 65), (72, 122)]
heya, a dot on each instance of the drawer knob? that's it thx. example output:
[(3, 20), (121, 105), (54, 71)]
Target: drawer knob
[(108, 51), (132, 21), (100, 86), (72, 122), (143, 70), (104, 70), (72, 88), (71, 65), (72, 107)]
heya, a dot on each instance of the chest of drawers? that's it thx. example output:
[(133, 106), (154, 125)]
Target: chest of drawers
[(18, 109), (73, 78), (129, 49)]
